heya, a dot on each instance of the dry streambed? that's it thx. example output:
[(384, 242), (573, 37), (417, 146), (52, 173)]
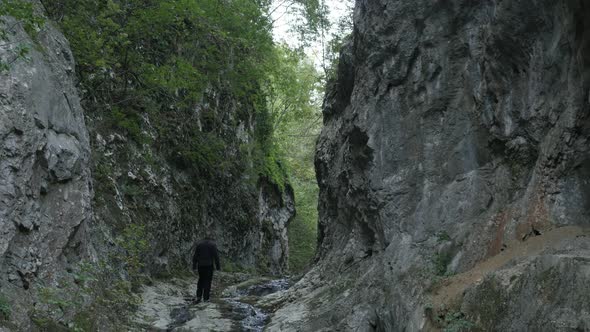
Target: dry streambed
[(167, 304)]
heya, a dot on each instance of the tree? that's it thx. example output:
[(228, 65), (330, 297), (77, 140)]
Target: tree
[(339, 31), (294, 91), (292, 88)]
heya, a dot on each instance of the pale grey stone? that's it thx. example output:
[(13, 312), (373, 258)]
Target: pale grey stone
[(461, 123), (45, 192)]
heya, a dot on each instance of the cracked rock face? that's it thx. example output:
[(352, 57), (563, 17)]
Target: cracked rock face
[(45, 189), (456, 132), (276, 208), (247, 215)]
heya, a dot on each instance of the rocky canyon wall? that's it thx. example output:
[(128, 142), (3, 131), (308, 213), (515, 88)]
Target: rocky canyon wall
[(72, 183), (454, 172), (45, 180), (178, 202)]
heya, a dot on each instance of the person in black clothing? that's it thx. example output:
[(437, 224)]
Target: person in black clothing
[(203, 260)]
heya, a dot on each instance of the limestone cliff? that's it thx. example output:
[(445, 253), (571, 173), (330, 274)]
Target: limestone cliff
[(45, 183), (453, 171), (151, 184)]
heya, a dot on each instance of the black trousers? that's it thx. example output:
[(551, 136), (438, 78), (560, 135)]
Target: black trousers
[(204, 284)]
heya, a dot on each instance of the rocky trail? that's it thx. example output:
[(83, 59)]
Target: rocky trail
[(236, 304), (451, 288)]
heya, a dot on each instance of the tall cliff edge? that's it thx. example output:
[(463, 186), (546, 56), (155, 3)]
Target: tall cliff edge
[(454, 172), (45, 181)]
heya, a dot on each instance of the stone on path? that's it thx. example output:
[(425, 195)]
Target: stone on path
[(166, 306), (239, 303)]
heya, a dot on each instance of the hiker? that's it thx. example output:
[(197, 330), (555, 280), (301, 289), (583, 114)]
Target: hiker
[(205, 256)]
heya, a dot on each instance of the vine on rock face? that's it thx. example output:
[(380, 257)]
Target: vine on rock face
[(5, 308), (93, 289), (195, 53), (24, 14)]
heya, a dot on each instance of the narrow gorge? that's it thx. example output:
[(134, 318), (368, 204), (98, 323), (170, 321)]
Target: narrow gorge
[(453, 167)]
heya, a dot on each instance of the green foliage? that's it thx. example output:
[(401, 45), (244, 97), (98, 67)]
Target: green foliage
[(85, 321), (190, 44), (294, 91), (20, 53), (179, 61), (443, 236), (5, 308), (204, 152), (303, 229), (92, 289), (456, 322), (339, 35), (197, 55), (48, 324), (130, 123), (267, 163), (134, 241), (194, 49), (58, 299), (131, 190), (311, 18), (441, 261), (24, 13), (231, 267), (302, 242)]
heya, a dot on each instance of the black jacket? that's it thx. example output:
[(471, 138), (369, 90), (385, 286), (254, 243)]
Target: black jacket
[(206, 254)]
